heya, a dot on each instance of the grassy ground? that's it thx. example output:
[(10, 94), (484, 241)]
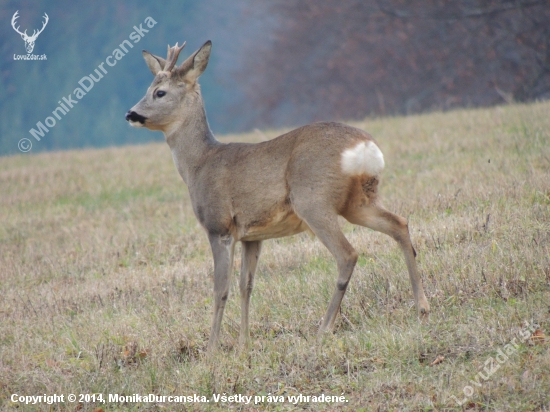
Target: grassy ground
[(106, 279)]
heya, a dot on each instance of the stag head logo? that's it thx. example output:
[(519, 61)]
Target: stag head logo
[(29, 40)]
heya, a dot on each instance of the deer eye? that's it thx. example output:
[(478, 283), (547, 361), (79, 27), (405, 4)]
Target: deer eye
[(160, 93)]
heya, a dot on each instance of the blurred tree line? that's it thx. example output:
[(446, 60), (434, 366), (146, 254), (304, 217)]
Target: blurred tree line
[(81, 35), (348, 59), (277, 63)]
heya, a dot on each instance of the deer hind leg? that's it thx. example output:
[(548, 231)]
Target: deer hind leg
[(325, 227), (250, 255), (222, 250), (377, 218)]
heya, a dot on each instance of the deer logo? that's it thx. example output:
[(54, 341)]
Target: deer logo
[(29, 40)]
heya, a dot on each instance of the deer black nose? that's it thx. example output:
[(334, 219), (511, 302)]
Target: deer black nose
[(132, 116)]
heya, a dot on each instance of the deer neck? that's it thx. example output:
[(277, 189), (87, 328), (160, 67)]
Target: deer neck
[(190, 140)]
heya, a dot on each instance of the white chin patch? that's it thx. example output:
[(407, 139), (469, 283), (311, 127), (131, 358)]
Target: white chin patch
[(364, 158), (135, 124)]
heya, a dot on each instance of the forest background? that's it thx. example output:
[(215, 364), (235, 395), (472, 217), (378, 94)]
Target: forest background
[(274, 64)]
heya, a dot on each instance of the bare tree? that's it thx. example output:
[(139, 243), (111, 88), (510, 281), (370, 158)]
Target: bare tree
[(363, 57)]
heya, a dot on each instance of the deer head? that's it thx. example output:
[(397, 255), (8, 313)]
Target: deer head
[(174, 90), (29, 40)]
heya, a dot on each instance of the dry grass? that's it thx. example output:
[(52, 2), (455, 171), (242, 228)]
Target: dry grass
[(105, 279)]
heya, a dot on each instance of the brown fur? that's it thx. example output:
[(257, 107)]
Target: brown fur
[(253, 192)]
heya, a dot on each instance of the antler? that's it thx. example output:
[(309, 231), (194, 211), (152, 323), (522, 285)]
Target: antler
[(35, 34), (173, 54), (13, 19), (24, 34)]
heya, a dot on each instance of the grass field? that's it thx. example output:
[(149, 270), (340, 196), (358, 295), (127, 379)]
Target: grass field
[(106, 281)]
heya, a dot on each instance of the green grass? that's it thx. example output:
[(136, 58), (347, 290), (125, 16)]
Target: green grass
[(106, 280)]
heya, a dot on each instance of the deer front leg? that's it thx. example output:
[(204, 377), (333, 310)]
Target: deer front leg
[(222, 250), (250, 255)]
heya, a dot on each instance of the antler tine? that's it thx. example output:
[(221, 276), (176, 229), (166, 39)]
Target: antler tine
[(173, 54), (14, 18), (36, 32), (169, 55), (45, 23), (14, 22)]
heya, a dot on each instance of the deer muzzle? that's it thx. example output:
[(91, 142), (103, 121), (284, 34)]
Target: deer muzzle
[(134, 117)]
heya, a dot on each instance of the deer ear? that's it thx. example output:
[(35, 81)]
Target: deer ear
[(155, 63), (195, 64)]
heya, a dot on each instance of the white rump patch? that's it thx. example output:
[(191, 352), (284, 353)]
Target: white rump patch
[(365, 158)]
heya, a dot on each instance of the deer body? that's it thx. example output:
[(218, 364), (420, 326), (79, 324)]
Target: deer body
[(248, 190), (299, 181)]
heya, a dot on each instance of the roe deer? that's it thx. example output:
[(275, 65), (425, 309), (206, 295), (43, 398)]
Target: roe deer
[(243, 192)]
